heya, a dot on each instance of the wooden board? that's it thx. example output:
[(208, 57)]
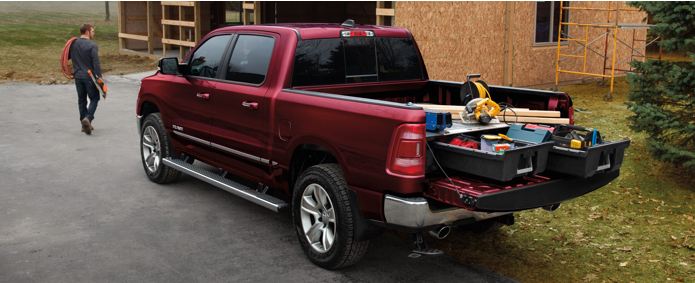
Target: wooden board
[(451, 107), (522, 112), (534, 120), (531, 113)]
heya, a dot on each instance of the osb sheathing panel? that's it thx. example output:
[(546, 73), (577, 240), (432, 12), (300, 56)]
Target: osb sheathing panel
[(461, 38), (537, 65), (456, 39)]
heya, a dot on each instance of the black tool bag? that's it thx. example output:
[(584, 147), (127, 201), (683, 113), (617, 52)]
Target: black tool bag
[(564, 134)]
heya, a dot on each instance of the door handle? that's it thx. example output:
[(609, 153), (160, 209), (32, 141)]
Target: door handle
[(203, 95), (250, 104)]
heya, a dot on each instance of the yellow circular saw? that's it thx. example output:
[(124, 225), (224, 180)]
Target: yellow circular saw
[(484, 108)]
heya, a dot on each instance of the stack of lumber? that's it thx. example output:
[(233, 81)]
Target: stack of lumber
[(519, 115)]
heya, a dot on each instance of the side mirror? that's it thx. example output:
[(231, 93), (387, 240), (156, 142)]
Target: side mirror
[(182, 68), (168, 66)]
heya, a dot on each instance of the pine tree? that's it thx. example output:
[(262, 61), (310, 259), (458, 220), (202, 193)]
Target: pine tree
[(662, 93)]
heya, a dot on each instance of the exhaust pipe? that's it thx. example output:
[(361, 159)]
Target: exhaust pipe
[(552, 207), (441, 233)]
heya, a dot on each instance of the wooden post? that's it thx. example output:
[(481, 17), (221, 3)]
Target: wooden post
[(121, 24), (508, 44), (380, 19), (150, 25), (257, 12), (382, 12), (108, 14), (247, 12), (182, 52), (165, 29), (198, 21)]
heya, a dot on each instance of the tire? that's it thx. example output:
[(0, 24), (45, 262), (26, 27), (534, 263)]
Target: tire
[(484, 226), (155, 145), (325, 227)]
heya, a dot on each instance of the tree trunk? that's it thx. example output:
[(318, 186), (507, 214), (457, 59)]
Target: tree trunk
[(108, 16)]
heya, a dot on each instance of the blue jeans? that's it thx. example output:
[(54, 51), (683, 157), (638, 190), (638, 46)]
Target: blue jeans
[(86, 87)]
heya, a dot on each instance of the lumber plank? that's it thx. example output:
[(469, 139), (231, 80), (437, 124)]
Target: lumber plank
[(531, 113), (522, 112), (454, 107), (178, 3), (178, 23), (534, 120)]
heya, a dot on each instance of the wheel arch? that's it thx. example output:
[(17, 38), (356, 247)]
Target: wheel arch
[(317, 147), (148, 107)]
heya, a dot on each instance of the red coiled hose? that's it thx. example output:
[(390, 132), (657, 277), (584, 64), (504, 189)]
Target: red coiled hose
[(67, 72)]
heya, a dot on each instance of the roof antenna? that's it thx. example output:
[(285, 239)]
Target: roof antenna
[(349, 24)]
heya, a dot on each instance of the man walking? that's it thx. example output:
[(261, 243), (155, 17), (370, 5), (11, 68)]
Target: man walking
[(84, 56)]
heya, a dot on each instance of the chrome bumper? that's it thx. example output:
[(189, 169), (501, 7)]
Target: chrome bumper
[(416, 213), (139, 117)]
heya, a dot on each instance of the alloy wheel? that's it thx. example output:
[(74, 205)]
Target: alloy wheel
[(318, 218), (151, 149)]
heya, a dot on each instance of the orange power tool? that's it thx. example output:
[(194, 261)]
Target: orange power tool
[(100, 84)]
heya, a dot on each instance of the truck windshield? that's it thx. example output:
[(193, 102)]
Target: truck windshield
[(355, 60)]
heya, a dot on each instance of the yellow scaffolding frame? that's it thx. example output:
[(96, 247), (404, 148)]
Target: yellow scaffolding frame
[(610, 27)]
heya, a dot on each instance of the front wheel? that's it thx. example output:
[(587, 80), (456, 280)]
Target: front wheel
[(323, 218), (155, 146)]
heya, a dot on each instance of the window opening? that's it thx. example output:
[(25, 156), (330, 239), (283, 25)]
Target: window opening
[(548, 21)]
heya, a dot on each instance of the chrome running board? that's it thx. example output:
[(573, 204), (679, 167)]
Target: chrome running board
[(264, 200)]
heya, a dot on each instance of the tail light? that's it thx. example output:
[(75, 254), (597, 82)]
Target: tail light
[(407, 152)]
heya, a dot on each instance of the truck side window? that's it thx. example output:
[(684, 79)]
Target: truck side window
[(207, 57), (250, 59)]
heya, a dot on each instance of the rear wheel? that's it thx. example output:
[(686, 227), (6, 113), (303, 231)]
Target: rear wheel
[(323, 218), (155, 145)]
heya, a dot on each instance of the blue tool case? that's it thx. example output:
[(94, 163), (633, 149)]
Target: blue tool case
[(437, 120)]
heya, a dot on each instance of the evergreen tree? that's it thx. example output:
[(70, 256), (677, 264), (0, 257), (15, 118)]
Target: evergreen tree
[(662, 93)]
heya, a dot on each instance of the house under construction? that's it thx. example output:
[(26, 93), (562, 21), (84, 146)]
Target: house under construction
[(513, 43)]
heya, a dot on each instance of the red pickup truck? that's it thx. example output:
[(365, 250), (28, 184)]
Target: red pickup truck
[(317, 119)]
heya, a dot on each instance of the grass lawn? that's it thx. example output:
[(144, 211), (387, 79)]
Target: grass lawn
[(34, 34)]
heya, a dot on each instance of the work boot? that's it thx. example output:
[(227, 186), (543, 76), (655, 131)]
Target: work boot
[(86, 126)]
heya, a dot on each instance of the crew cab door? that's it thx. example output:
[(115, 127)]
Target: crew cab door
[(190, 96), (238, 106)]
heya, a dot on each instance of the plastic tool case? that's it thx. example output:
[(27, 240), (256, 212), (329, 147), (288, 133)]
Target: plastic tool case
[(607, 157), (524, 159)]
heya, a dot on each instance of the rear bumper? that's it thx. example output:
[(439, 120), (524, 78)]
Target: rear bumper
[(416, 213)]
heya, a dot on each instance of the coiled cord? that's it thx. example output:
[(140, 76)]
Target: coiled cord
[(67, 72)]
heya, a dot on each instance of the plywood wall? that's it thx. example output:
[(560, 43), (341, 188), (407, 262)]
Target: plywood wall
[(455, 38), (461, 38)]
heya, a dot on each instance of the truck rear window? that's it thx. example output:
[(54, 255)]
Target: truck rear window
[(355, 60)]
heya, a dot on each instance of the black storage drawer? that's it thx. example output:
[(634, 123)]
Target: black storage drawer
[(529, 159), (606, 157)]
